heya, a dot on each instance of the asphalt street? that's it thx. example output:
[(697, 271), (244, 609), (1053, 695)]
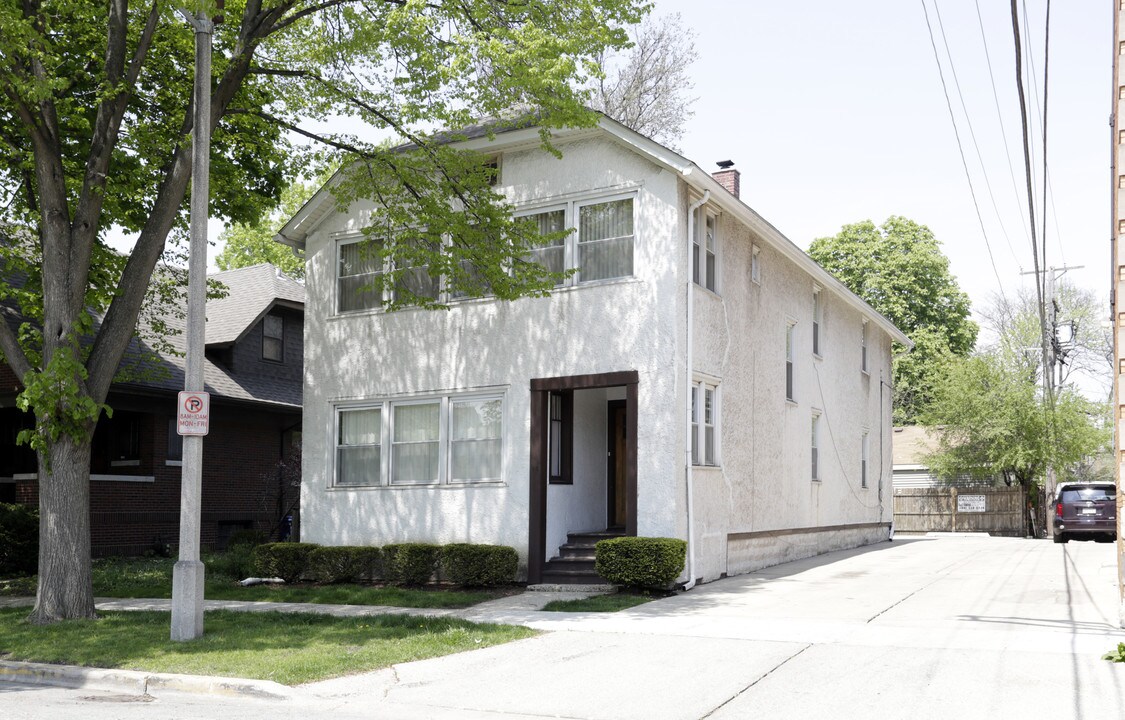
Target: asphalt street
[(956, 626)]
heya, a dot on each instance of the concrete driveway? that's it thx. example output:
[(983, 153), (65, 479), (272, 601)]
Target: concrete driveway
[(951, 627), (965, 627)]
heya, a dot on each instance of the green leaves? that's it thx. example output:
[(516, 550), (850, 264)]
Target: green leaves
[(900, 270)]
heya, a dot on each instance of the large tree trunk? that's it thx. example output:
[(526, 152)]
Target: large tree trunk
[(65, 588)]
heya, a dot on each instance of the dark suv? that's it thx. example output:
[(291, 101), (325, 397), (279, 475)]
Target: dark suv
[(1084, 510)]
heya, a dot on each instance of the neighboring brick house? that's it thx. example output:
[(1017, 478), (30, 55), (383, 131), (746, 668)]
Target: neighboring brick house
[(699, 377), (253, 370)]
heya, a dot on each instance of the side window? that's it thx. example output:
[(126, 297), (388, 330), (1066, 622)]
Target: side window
[(704, 252), (864, 455), (863, 347), (789, 350), (273, 338), (704, 424), (756, 265), (817, 312), (560, 438), (815, 446)]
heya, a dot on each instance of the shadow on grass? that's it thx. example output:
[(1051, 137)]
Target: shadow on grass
[(288, 648)]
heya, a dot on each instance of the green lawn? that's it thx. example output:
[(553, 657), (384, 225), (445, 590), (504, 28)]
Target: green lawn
[(599, 603), (286, 648), (152, 578)]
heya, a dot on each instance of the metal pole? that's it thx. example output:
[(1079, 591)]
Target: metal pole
[(187, 575)]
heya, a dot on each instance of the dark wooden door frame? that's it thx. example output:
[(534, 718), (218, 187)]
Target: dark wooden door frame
[(611, 461), (537, 500)]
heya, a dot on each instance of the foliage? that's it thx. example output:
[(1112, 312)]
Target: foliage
[(1086, 355), (286, 560), (992, 421), (645, 89), (899, 269), (247, 244), (600, 603), (289, 648), (235, 563), (344, 563), (640, 562), (247, 536), (19, 540), (95, 129), (1117, 655), (479, 565), (410, 563)]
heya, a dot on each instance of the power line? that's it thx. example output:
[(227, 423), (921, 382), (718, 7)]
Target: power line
[(1003, 131), (960, 149), (972, 134)]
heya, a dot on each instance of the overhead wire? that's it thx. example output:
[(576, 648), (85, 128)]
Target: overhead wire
[(960, 148), (1003, 134), (973, 136)]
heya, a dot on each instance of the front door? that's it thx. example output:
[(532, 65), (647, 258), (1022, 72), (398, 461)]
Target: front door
[(615, 472)]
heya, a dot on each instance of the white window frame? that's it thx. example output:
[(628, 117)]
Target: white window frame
[(790, 357), (864, 457), (817, 322), (571, 209), (705, 253), (700, 389), (386, 406), (814, 443), (340, 243), (863, 366), (756, 265)]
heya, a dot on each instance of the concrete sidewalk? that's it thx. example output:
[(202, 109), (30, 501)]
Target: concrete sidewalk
[(967, 627)]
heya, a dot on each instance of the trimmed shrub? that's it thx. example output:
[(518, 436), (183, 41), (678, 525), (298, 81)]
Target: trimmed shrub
[(410, 563), (19, 540), (344, 563), (640, 562), (285, 560), (247, 536), (236, 562), (479, 565)]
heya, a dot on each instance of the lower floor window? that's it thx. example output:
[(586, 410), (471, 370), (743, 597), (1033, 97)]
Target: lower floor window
[(436, 440), (704, 422)]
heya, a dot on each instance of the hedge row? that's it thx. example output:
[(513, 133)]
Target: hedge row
[(401, 563), (640, 562)]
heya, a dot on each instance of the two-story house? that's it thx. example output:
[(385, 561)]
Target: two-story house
[(253, 370), (698, 377)]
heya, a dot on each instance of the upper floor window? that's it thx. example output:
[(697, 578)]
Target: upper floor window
[(359, 275), (704, 246), (756, 265), (273, 338), (605, 240), (863, 347), (817, 312)]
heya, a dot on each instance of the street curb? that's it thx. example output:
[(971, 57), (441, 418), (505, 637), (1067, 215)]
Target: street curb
[(143, 683)]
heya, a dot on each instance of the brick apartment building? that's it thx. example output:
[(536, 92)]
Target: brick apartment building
[(253, 370)]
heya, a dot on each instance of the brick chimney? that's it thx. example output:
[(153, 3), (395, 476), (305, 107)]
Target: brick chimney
[(727, 176)]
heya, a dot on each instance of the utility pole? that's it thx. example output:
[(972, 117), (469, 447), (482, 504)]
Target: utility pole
[(1117, 285), (1050, 359), (187, 574)]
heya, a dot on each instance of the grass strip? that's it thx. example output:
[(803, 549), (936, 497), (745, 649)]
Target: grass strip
[(289, 648), (599, 603)]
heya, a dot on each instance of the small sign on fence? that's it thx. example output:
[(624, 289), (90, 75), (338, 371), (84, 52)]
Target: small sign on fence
[(970, 503)]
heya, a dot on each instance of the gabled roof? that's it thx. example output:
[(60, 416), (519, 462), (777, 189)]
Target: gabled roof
[(251, 293), (511, 136)]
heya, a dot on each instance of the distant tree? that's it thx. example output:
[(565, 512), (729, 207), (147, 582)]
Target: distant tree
[(647, 89), (1083, 347), (900, 270), (253, 243), (992, 420)]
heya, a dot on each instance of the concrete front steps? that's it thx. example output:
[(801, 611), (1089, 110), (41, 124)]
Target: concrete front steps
[(574, 565)]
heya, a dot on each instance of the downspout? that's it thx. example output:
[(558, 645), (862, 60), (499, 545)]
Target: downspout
[(690, 375)]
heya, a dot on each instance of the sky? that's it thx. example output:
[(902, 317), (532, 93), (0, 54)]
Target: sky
[(835, 113)]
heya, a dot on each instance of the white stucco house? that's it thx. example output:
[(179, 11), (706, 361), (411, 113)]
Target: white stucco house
[(700, 377)]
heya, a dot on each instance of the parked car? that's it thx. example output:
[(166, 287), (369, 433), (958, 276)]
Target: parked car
[(1085, 510)]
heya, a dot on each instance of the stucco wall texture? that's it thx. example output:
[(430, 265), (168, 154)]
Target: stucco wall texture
[(639, 323)]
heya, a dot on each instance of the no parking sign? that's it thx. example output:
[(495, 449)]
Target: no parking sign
[(193, 415)]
